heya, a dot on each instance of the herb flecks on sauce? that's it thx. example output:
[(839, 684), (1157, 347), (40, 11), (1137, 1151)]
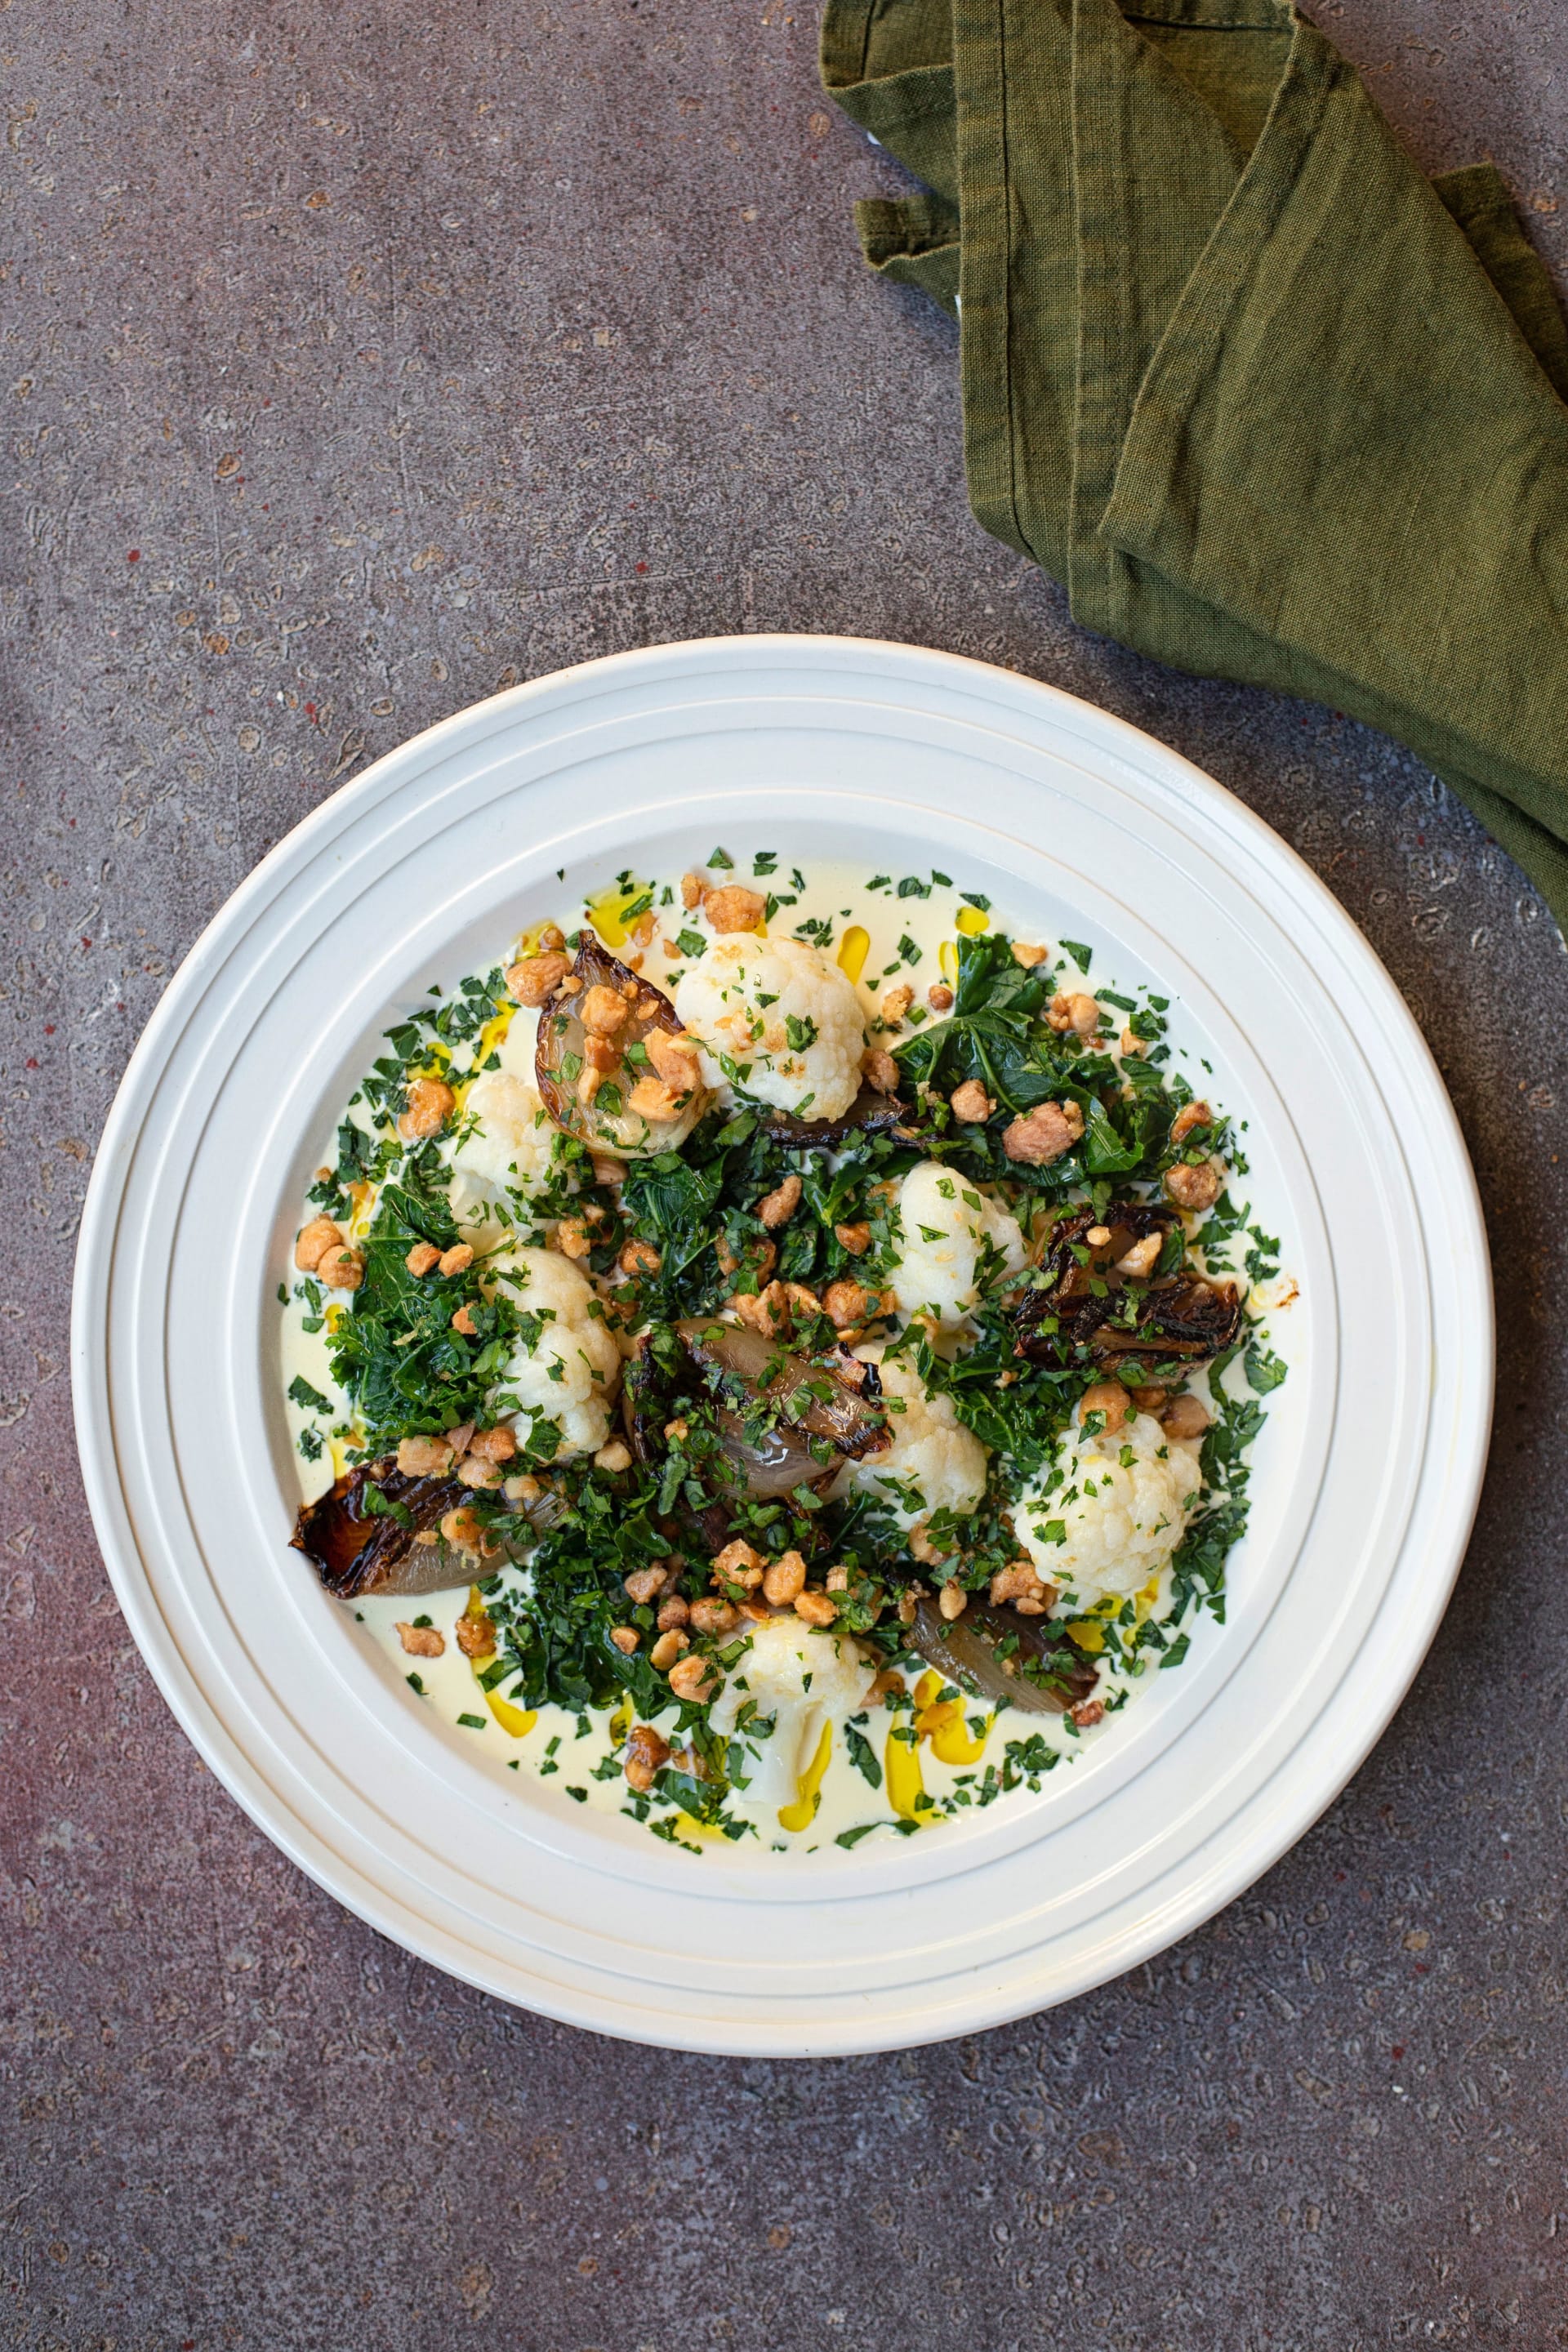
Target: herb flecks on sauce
[(620, 1590)]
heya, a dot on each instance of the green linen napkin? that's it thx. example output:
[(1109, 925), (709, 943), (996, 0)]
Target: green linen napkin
[(1269, 403)]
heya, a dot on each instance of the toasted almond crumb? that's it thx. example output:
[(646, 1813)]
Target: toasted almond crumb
[(1143, 1258), (647, 1751), (430, 1105), (971, 1102), (1109, 1398), (476, 1633), (1044, 1134), (340, 1268), (653, 1100), (537, 978), (423, 1457), (1191, 1114), (739, 1564), (1190, 1188), (1185, 1418), (421, 1641), (691, 1677), (1076, 1014), (319, 1236), (784, 1579), (777, 1207), (602, 1011), (734, 907)]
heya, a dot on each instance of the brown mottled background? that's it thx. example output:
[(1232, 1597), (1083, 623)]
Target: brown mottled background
[(357, 361)]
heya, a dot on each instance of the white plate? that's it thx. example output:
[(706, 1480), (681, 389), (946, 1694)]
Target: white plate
[(1367, 1475)]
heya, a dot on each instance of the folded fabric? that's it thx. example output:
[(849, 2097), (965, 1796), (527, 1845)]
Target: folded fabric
[(1271, 404)]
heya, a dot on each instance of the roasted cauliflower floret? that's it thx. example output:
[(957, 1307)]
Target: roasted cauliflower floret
[(778, 1019), (933, 1463), (566, 1364), (508, 1149), (1117, 1513), (799, 1678), (956, 1244)]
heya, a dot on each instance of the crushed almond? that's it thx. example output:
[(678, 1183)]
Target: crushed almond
[(476, 1633), (1044, 1134), (340, 1268), (319, 1236), (431, 1103), (647, 1751), (421, 1641), (777, 1207), (535, 980), (734, 907)]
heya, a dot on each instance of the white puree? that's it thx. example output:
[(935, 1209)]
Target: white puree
[(835, 893)]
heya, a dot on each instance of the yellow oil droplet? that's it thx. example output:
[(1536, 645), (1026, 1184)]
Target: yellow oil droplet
[(972, 922), (621, 1722), (942, 1721), (364, 1195), (1088, 1635), (803, 1812), (531, 941), (901, 1759), (1148, 1599), (607, 911), (491, 1036), (517, 1720), (948, 956), (852, 951)]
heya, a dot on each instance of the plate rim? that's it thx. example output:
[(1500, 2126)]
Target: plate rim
[(1097, 731)]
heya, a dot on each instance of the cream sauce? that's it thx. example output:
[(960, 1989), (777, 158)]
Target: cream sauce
[(880, 941)]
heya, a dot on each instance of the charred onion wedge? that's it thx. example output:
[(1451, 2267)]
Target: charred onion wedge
[(964, 1653), (869, 1113), (783, 1420), (616, 1083), (362, 1550), (1083, 1310), (835, 1398)]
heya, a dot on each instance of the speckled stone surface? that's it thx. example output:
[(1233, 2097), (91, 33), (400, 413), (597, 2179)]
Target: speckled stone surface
[(357, 360)]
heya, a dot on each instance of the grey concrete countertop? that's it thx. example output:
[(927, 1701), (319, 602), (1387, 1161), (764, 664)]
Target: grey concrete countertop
[(357, 361)]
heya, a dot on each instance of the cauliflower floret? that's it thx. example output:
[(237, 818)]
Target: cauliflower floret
[(1120, 1522), (785, 1654), (954, 1239), (784, 1018), (569, 1369), (509, 1151), (931, 1452)]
